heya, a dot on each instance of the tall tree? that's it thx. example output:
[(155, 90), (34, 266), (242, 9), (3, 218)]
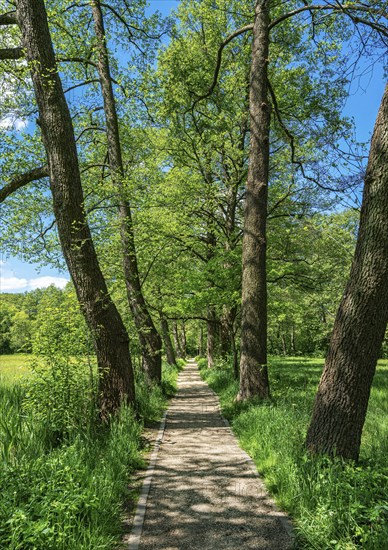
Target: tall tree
[(150, 341), (253, 362), (110, 336), (343, 393)]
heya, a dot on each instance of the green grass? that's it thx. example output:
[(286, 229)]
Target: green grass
[(13, 368), (334, 505), (63, 479)]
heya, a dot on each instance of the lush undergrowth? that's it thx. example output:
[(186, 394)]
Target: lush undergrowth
[(335, 505), (63, 476)]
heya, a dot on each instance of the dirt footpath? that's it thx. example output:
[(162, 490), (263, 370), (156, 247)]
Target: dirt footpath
[(205, 493)]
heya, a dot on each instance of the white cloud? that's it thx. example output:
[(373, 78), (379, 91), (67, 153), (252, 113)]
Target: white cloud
[(10, 123), (12, 284), (15, 284)]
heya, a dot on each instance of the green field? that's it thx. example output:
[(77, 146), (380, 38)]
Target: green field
[(14, 367)]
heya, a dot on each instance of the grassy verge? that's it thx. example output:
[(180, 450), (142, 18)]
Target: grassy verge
[(63, 477), (334, 505)]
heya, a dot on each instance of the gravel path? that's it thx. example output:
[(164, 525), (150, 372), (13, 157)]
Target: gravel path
[(205, 493)]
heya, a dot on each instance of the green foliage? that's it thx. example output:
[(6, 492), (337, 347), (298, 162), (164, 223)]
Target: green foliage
[(334, 504), (61, 395), (202, 363)]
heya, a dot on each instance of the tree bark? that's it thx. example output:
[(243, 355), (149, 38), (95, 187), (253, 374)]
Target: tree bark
[(177, 342), (253, 362), (211, 338), (170, 353), (343, 393), (150, 341), (200, 341), (183, 340), (110, 337)]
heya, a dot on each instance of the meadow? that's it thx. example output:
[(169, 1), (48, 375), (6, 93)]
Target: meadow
[(14, 368), (334, 504), (64, 477)]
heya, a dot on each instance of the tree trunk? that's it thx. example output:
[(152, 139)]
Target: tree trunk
[(284, 344), (253, 362), (170, 353), (343, 393), (110, 337), (200, 341), (150, 341), (235, 357), (183, 340), (293, 343), (178, 348), (225, 339), (211, 338)]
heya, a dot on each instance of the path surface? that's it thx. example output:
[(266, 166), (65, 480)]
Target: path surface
[(205, 493)]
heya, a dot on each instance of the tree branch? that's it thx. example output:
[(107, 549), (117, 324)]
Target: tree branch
[(22, 180), (8, 18), (339, 8), (291, 139), (221, 47), (11, 53)]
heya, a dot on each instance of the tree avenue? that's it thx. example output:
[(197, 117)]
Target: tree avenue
[(197, 194)]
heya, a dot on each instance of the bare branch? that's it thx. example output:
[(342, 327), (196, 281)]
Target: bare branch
[(336, 8), (291, 139), (77, 60), (22, 180)]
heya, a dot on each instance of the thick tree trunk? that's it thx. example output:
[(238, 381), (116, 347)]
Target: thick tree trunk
[(343, 393), (110, 337), (253, 363), (150, 341), (170, 353)]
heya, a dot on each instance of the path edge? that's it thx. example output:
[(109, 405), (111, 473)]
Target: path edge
[(138, 520), (282, 516)]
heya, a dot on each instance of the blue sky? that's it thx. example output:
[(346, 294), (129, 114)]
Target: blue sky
[(363, 103)]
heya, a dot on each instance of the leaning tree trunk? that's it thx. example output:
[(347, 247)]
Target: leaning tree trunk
[(253, 362), (110, 337), (150, 341), (343, 393)]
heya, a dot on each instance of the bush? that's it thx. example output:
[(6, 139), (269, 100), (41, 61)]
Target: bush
[(202, 363)]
